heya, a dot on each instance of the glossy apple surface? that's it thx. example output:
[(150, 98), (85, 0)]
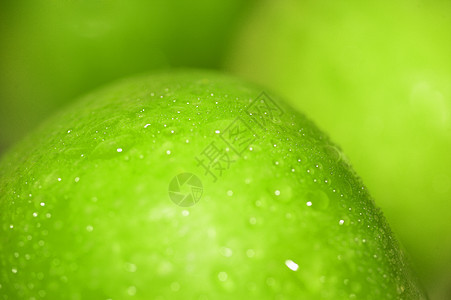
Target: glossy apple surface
[(376, 76), (89, 202)]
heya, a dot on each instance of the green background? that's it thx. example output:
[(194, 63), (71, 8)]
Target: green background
[(376, 77)]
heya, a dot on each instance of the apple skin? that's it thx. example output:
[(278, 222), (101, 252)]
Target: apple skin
[(376, 76), (85, 211)]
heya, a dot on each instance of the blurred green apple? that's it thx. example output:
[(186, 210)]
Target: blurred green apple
[(376, 75), (52, 51), (190, 185)]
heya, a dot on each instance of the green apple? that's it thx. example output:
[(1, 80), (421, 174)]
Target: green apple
[(190, 185), (376, 76), (54, 51)]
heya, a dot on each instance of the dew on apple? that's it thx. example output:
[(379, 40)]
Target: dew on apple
[(131, 290), (227, 252), (129, 267), (222, 276), (250, 253), (291, 265)]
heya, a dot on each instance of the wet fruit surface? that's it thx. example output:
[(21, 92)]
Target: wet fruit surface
[(275, 209)]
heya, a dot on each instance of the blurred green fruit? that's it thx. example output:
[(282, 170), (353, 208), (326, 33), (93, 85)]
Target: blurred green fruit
[(376, 75), (269, 207), (52, 51)]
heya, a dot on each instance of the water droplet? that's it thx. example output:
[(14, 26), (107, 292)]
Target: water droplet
[(14, 270), (42, 204), (77, 179), (89, 228), (131, 290), (129, 267), (119, 150), (277, 193), (35, 214), (341, 222), (185, 213), (317, 199), (250, 253), (227, 252), (222, 276), (230, 193), (291, 265), (168, 152)]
